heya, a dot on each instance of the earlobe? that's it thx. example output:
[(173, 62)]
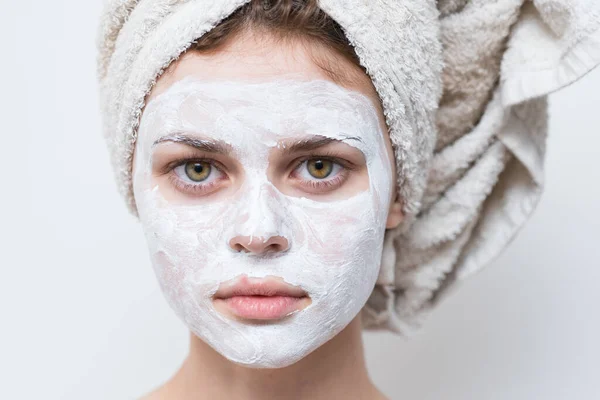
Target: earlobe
[(395, 215)]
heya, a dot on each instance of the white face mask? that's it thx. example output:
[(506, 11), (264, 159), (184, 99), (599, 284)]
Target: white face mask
[(335, 246)]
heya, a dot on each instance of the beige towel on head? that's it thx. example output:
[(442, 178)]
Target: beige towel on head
[(502, 58)]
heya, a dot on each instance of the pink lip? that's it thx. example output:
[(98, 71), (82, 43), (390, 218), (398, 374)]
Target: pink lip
[(260, 298)]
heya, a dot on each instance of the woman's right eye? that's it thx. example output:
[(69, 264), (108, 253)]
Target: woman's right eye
[(197, 177), (197, 171)]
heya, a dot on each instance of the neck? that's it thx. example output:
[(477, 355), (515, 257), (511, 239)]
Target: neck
[(334, 370)]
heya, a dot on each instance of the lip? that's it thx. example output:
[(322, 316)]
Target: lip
[(259, 298)]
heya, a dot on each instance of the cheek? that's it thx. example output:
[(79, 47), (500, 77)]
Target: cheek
[(184, 237), (170, 275), (336, 231)]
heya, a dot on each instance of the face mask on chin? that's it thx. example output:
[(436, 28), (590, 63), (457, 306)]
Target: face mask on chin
[(329, 247)]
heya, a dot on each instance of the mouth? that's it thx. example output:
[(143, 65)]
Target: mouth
[(262, 299)]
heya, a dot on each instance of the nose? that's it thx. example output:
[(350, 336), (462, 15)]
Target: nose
[(258, 245)]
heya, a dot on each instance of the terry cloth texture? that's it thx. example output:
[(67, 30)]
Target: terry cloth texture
[(502, 58), (469, 139)]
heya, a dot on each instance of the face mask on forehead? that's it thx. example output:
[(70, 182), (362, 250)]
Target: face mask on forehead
[(333, 244)]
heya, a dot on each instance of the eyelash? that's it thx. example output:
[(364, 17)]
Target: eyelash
[(337, 180)]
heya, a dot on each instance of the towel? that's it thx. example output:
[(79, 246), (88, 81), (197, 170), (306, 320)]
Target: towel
[(463, 86), (502, 58)]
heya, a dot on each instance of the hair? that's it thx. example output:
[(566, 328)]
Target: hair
[(285, 20)]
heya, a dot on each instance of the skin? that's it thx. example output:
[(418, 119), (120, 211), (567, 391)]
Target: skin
[(336, 369)]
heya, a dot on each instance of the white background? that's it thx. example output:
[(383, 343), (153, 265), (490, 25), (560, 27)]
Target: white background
[(81, 316)]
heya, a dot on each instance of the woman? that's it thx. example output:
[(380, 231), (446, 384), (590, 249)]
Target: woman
[(260, 165)]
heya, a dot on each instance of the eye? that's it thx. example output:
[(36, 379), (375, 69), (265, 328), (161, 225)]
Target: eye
[(319, 168), (197, 177), (320, 175), (197, 171)]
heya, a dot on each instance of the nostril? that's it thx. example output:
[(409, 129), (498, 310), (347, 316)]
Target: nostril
[(276, 244), (239, 248), (274, 247), (258, 245)]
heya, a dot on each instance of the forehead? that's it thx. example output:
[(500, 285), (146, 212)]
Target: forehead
[(241, 113), (286, 95), (249, 57)]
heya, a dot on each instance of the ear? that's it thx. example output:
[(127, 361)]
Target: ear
[(395, 214)]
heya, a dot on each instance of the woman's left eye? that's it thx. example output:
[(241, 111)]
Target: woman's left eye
[(320, 174), (319, 169)]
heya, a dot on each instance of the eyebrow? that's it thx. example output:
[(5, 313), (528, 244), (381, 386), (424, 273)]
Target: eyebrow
[(209, 146), (220, 147), (314, 143)]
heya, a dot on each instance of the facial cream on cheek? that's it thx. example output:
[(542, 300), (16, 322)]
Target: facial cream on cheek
[(333, 248)]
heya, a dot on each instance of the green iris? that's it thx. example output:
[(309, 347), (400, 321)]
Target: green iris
[(197, 170)]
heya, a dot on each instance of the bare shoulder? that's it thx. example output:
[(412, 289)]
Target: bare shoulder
[(157, 394), (378, 395)]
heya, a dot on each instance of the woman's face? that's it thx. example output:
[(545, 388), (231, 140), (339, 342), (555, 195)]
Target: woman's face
[(264, 189)]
